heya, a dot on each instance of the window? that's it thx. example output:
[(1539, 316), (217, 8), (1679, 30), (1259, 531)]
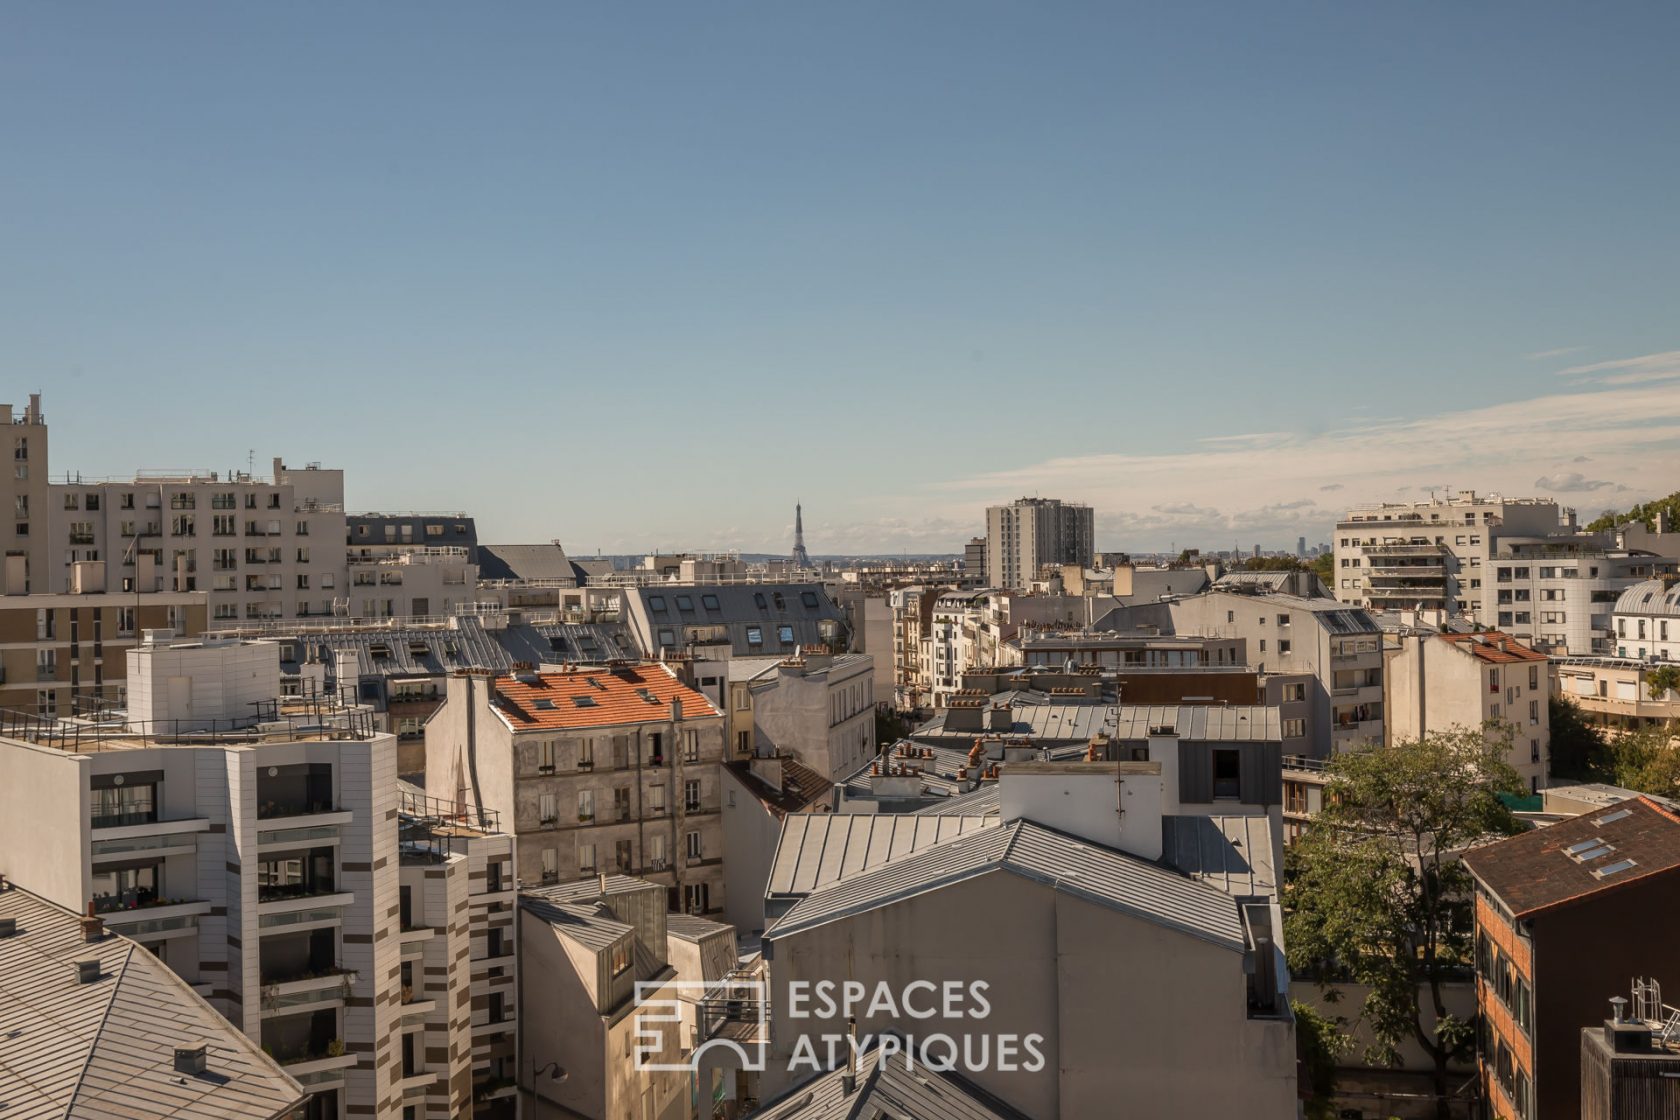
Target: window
[(586, 804), (1493, 681), (548, 811), (586, 755), (656, 799), (755, 635), (710, 602), (1294, 728), (585, 856), (691, 796), (1227, 773), (685, 603), (656, 603), (621, 803), (132, 802), (809, 598), (691, 746), (1534, 713), (667, 638), (657, 857), (551, 863), (784, 634), (691, 844), (758, 601), (624, 856), (545, 757), (781, 604), (620, 957), (127, 889), (1283, 645)]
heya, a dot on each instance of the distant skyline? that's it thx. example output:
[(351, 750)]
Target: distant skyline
[(638, 277)]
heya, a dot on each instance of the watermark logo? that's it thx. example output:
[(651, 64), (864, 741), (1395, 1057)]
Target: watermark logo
[(733, 1015)]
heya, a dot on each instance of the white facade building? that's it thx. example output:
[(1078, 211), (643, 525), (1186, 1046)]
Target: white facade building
[(1647, 621), (1402, 555)]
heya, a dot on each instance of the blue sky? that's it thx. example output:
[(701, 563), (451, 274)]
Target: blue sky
[(642, 275)]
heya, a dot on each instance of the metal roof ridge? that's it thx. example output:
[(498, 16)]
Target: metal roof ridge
[(118, 975)]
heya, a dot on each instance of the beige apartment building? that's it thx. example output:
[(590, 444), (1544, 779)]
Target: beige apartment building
[(1029, 533), (1442, 682), (63, 655), (592, 770), (1400, 555)]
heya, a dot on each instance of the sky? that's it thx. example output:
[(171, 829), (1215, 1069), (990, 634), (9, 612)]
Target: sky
[(639, 276)]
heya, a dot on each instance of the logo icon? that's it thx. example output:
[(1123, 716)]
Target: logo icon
[(709, 1015)]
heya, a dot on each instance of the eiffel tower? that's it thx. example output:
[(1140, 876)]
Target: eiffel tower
[(800, 558)]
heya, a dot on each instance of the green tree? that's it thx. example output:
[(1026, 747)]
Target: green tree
[(1377, 894), (1578, 750), (1325, 565), (1645, 513), (1319, 1045), (1273, 564), (1659, 681), (1646, 761)]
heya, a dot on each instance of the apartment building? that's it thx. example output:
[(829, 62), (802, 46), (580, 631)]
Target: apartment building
[(1066, 911), (392, 534), (459, 974), (424, 581), (1564, 914), (1615, 692), (974, 559), (1403, 555), (156, 1050), (64, 655), (1029, 533), (912, 618), (818, 708), (1324, 642), (587, 947), (591, 770), (1646, 620), (27, 532), (249, 850), (260, 548), (1441, 682), (1560, 593)]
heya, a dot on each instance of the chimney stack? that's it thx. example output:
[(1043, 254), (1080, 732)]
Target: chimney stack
[(601, 882), (848, 1079), (93, 926)]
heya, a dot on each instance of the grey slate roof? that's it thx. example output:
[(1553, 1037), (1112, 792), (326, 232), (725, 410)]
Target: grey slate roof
[(106, 1049), (737, 612), (526, 561), (888, 1090), (1065, 863), (1233, 853), (458, 530), (819, 850), (691, 927)]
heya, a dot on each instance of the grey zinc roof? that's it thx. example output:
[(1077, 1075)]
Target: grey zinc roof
[(588, 890), (819, 850), (458, 530), (1233, 853), (983, 802), (464, 645), (691, 927), (1065, 863), (1653, 597), (106, 1050), (888, 1090), (589, 924), (1075, 722), (556, 643)]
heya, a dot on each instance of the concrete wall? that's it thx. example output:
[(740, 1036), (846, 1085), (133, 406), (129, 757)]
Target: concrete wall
[(1094, 800), (195, 685), (750, 834), (45, 840), (1130, 1011)]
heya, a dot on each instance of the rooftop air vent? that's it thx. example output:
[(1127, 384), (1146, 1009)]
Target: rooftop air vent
[(8, 927), (192, 1058), (87, 972)]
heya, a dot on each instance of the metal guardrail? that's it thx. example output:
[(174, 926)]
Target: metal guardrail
[(76, 736)]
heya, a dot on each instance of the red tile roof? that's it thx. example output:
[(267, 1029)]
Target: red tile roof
[(1536, 871), (1493, 646), (598, 698)]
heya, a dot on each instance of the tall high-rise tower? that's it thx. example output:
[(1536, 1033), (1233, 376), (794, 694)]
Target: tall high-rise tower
[(800, 558)]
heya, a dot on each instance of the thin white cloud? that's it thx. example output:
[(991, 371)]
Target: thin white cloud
[(1541, 355), (1665, 361), (1630, 431)]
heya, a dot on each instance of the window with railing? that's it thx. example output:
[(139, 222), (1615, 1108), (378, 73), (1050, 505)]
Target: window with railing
[(125, 801)]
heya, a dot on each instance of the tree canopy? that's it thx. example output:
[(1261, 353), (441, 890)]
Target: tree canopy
[(1645, 513), (1377, 895)]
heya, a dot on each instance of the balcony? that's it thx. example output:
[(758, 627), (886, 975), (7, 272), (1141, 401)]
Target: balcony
[(119, 913), (329, 989)]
